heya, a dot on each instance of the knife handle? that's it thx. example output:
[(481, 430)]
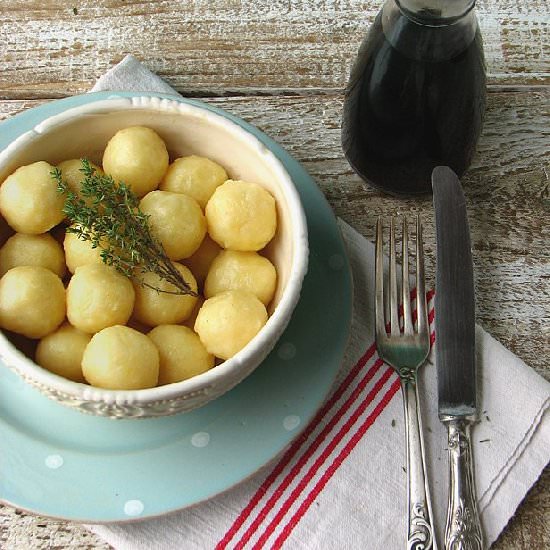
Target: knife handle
[(463, 528), (420, 518)]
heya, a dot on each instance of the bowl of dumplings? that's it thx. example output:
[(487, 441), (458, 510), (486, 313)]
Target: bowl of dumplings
[(97, 323)]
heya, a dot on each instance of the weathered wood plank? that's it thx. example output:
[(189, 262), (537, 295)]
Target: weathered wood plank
[(530, 528), (221, 47), (508, 200), (21, 531)]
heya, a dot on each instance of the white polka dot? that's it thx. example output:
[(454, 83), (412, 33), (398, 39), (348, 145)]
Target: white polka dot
[(336, 262), (200, 439), (133, 507), (54, 461), (291, 422), (287, 351)]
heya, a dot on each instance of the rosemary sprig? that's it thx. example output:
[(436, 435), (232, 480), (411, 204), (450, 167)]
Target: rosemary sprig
[(107, 214)]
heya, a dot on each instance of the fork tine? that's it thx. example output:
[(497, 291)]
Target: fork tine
[(394, 314), (405, 291), (421, 306), (379, 281)]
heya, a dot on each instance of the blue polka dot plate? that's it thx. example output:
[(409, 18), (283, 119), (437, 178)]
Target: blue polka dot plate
[(59, 462)]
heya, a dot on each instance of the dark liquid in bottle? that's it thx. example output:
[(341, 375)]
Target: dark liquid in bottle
[(410, 109)]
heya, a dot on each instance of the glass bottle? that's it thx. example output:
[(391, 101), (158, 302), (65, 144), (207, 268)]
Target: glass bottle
[(416, 94)]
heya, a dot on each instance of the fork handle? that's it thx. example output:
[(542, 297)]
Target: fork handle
[(463, 529), (420, 519)]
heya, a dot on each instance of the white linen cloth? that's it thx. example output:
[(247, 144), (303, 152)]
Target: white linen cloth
[(344, 486)]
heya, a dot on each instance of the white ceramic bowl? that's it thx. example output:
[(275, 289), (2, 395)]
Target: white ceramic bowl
[(187, 129)]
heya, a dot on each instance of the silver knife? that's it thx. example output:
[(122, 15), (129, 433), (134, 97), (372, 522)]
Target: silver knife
[(455, 355)]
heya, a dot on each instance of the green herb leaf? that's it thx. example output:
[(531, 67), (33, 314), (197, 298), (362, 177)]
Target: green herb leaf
[(107, 214)]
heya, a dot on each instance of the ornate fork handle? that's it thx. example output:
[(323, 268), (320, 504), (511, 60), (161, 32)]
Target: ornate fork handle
[(420, 523), (463, 529)]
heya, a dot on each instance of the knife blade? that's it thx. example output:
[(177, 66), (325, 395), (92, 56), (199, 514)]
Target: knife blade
[(454, 298), (455, 355)]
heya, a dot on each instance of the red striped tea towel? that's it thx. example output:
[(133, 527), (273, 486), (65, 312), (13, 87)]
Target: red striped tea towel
[(342, 483)]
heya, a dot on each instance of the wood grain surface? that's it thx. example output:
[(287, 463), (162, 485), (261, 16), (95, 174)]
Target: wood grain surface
[(222, 47), (263, 61)]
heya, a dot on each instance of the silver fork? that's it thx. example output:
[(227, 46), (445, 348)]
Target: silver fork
[(406, 351)]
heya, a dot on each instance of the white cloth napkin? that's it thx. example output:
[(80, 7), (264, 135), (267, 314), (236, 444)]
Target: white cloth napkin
[(344, 486)]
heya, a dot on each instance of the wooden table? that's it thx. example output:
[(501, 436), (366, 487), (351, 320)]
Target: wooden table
[(282, 65)]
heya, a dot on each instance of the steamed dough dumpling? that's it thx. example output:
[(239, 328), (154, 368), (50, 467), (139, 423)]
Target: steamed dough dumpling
[(32, 301), (61, 352), (228, 321), (39, 250), (199, 263), (121, 358), (176, 221), (160, 308), (195, 176), (30, 201), (138, 157), (98, 296), (72, 175), (79, 252), (241, 216), (234, 270), (182, 354)]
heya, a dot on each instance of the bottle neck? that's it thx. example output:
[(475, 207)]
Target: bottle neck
[(435, 12), (432, 38)]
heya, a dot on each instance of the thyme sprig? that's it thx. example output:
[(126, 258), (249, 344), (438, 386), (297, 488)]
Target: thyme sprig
[(107, 214)]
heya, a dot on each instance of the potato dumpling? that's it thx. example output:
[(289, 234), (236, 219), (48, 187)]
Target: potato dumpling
[(235, 270), (42, 250), (199, 263), (30, 201), (98, 296), (72, 175), (241, 216), (61, 352), (176, 221), (138, 157), (228, 321), (195, 176), (121, 358), (161, 308), (182, 354), (79, 252), (32, 301)]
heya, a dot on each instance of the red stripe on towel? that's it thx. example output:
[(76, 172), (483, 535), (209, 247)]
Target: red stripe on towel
[(322, 458), (287, 457), (331, 470), (344, 453), (307, 454)]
